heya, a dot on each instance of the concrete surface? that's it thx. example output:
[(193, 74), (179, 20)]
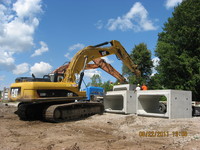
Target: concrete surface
[(120, 102), (121, 87), (178, 103)]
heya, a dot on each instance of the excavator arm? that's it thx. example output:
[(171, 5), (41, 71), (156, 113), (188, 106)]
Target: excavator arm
[(101, 63), (98, 63), (90, 53)]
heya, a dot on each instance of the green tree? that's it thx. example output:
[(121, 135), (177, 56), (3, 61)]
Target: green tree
[(142, 57), (178, 48), (107, 86), (95, 81), (154, 83)]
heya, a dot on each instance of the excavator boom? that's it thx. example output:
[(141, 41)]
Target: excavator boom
[(63, 68), (91, 53)]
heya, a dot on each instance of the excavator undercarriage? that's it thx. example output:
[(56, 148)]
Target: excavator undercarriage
[(58, 112)]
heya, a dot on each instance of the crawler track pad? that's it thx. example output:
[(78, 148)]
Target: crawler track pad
[(72, 111)]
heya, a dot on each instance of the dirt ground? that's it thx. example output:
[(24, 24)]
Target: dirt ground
[(98, 132)]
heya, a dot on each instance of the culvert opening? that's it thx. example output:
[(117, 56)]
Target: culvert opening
[(114, 102), (152, 104)]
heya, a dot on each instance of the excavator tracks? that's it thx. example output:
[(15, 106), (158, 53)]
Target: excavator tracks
[(21, 112), (31, 111), (72, 111), (58, 112)]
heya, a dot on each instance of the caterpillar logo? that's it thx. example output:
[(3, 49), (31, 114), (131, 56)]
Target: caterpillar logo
[(104, 53)]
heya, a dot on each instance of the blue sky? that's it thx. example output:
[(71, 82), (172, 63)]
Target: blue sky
[(37, 36)]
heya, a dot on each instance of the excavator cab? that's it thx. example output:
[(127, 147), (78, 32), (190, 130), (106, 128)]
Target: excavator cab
[(56, 77), (32, 79)]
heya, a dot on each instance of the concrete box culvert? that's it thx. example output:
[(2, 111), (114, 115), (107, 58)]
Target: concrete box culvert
[(120, 102), (178, 103)]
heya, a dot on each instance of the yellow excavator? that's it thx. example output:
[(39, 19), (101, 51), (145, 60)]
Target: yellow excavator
[(63, 100)]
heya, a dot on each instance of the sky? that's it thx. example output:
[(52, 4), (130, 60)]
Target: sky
[(38, 36)]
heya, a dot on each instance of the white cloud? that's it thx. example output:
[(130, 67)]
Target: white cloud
[(136, 19), (156, 61), (91, 72), (27, 8), (6, 60), (17, 36), (21, 69), (67, 55), (42, 49), (172, 3), (107, 60), (77, 46), (40, 69), (99, 24), (17, 27)]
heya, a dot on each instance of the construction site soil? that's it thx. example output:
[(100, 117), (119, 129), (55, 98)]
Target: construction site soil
[(98, 132)]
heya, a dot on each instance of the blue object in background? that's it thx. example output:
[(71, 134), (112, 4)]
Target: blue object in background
[(91, 90)]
